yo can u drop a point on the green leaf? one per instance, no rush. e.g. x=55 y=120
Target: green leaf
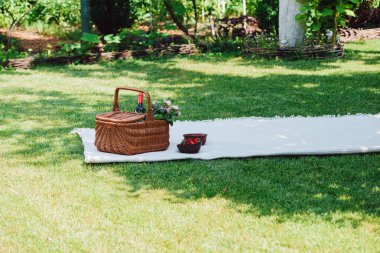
x=347 y=6
x=316 y=27
x=340 y=9
x=170 y=121
x=305 y=8
x=89 y=37
x=326 y=12
x=301 y=17
x=350 y=13
x=179 y=8
x=110 y=38
x=170 y=27
x=75 y=46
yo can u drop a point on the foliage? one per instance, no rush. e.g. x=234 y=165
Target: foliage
x=88 y=43
x=367 y=15
x=69 y=48
x=48 y=17
x=3 y=55
x=267 y=13
x=165 y=110
x=263 y=41
x=110 y=16
x=183 y=12
x=176 y=10
x=52 y=29
x=15 y=12
x=9 y=53
x=320 y=16
x=139 y=39
x=64 y=13
x=112 y=42
x=12 y=12
x=236 y=45
x=224 y=45
x=90 y=38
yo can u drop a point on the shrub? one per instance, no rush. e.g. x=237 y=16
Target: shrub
x=367 y=15
x=267 y=12
x=12 y=52
x=110 y=16
x=55 y=11
x=320 y=16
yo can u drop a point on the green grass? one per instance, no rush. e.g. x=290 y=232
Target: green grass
x=51 y=201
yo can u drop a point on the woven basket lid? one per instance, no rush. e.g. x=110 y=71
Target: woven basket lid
x=121 y=117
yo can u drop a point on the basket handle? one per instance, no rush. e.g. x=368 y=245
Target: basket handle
x=149 y=114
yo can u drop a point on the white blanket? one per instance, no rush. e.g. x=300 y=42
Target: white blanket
x=247 y=137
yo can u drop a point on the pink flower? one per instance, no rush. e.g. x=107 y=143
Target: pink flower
x=168 y=109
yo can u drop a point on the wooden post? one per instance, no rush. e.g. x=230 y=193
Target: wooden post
x=85 y=15
x=291 y=32
x=212 y=25
x=245 y=14
x=203 y=11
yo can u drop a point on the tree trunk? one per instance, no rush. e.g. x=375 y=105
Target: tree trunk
x=196 y=17
x=245 y=13
x=336 y=20
x=150 y=16
x=85 y=15
x=175 y=19
x=291 y=32
x=212 y=25
x=14 y=23
x=8 y=38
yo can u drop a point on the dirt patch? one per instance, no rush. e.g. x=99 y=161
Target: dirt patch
x=350 y=35
x=32 y=40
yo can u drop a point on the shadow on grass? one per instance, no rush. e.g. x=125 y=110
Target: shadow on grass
x=226 y=95
x=284 y=187
x=38 y=122
x=366 y=56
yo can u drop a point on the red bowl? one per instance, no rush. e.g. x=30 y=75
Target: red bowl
x=203 y=137
x=189 y=148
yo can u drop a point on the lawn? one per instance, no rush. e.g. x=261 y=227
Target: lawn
x=51 y=201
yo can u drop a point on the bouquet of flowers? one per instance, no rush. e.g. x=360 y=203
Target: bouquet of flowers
x=165 y=110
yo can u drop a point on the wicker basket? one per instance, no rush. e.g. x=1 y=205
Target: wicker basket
x=130 y=133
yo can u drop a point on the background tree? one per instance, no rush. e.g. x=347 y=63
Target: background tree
x=85 y=15
x=177 y=11
x=16 y=11
x=291 y=31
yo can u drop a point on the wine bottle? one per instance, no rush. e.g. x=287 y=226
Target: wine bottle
x=140 y=107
